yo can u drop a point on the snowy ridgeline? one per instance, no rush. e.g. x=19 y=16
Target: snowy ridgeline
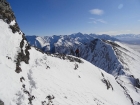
x=109 y=55
x=56 y=79
x=48 y=43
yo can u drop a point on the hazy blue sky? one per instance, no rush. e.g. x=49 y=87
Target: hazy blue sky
x=59 y=17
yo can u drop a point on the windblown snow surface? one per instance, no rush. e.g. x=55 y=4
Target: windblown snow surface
x=54 y=78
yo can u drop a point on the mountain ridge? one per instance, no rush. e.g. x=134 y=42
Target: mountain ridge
x=51 y=40
x=31 y=77
x=111 y=56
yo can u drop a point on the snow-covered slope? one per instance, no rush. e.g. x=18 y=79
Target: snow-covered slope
x=133 y=46
x=48 y=75
x=30 y=77
x=114 y=58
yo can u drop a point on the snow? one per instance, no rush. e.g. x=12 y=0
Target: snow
x=113 y=57
x=132 y=58
x=134 y=47
x=42 y=41
x=13 y=22
x=48 y=75
x=62 y=81
x=10 y=42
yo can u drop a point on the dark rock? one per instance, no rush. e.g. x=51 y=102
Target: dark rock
x=21 y=56
x=27 y=92
x=21 y=79
x=23 y=86
x=137 y=83
x=6 y=12
x=1 y=102
x=18 y=69
x=14 y=28
x=102 y=74
x=108 y=85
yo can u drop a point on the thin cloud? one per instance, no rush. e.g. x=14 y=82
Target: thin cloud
x=93 y=22
x=96 y=11
x=115 y=32
x=108 y=32
x=97 y=21
x=139 y=20
x=101 y=20
x=120 y=6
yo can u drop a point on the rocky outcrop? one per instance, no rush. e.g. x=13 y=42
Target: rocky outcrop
x=5 y=12
x=106 y=81
x=23 y=55
x=1 y=102
x=7 y=15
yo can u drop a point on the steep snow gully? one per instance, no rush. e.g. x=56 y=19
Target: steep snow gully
x=29 y=76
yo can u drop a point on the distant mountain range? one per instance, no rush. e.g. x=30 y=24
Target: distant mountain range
x=47 y=43
x=129 y=38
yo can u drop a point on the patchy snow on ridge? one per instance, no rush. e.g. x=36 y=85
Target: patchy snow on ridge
x=13 y=22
